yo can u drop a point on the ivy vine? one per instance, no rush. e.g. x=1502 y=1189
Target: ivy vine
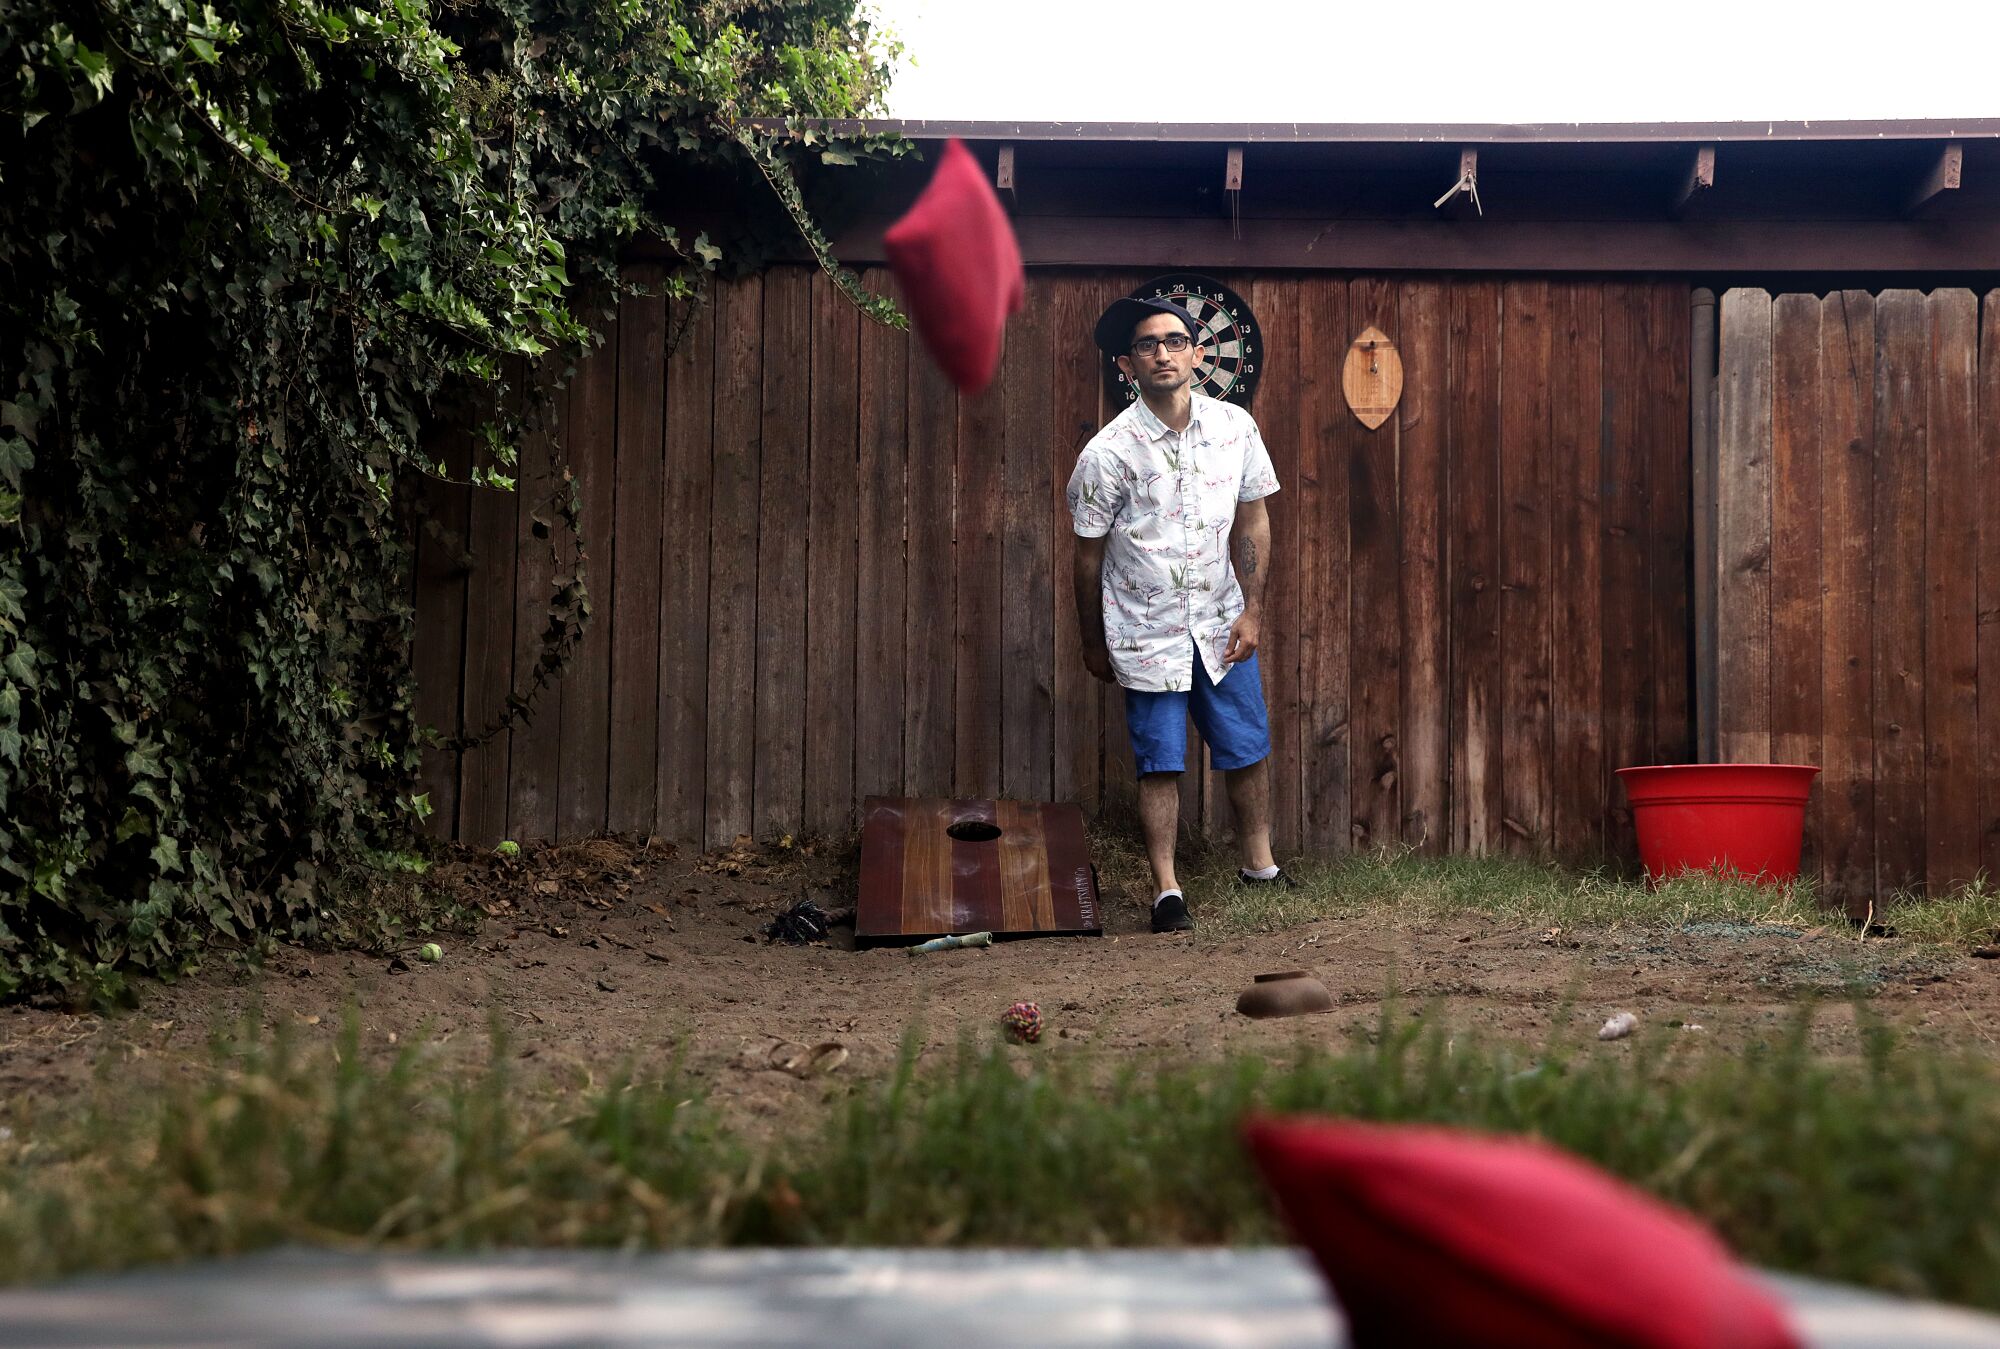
x=248 y=255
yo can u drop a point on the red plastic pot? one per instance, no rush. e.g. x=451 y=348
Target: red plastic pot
x=1748 y=818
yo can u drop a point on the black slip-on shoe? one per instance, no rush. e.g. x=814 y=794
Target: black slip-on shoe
x=1283 y=878
x=1170 y=914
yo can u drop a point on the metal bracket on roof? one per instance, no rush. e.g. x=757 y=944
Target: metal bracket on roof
x=1700 y=178
x=1003 y=175
x=1232 y=183
x=1466 y=189
x=1944 y=177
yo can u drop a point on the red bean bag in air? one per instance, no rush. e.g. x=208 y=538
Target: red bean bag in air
x=1435 y=1237
x=956 y=258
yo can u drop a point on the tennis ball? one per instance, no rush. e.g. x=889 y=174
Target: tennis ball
x=508 y=848
x=430 y=953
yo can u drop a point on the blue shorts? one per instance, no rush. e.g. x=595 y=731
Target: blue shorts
x=1229 y=715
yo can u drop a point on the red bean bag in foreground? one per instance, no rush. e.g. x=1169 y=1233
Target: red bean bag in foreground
x=955 y=255
x=1437 y=1237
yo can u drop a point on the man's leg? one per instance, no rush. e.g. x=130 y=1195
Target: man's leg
x=1160 y=814
x=1232 y=718
x=1250 y=806
x=1158 y=726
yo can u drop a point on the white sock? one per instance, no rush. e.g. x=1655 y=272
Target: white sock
x=1163 y=894
x=1264 y=874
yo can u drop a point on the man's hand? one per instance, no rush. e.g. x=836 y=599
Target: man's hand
x=1097 y=660
x=1242 y=639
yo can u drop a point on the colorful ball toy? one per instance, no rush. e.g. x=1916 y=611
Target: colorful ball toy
x=1023 y=1023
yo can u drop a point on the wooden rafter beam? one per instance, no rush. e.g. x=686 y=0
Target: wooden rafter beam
x=1003 y=173
x=1943 y=177
x=1700 y=178
x=1463 y=198
x=1232 y=187
x=1873 y=248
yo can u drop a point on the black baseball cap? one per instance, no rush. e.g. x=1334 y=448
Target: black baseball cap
x=1114 y=331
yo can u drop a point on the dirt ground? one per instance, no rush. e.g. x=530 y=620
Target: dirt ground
x=592 y=954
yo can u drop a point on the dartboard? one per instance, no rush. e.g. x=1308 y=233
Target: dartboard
x=1232 y=347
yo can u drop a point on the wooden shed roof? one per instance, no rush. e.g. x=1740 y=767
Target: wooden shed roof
x=1903 y=201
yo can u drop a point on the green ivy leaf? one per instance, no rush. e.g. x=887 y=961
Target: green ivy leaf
x=15 y=459
x=166 y=854
x=143 y=761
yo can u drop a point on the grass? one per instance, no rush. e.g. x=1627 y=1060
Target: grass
x=1873 y=1167
x=1408 y=887
x=1969 y=916
x=1509 y=892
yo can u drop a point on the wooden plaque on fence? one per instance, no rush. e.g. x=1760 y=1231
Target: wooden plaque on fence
x=1372 y=377
x=931 y=867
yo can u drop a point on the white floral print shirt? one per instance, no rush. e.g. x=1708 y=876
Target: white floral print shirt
x=1167 y=500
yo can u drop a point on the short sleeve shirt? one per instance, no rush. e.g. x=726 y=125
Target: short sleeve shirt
x=1164 y=501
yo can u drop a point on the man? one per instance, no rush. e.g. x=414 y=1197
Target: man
x=1162 y=500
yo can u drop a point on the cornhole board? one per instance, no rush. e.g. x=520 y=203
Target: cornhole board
x=930 y=867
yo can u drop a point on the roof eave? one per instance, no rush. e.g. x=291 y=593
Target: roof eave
x=1418 y=133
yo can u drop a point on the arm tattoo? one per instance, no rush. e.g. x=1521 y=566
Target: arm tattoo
x=1249 y=557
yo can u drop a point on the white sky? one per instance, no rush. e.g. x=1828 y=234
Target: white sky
x=1446 y=60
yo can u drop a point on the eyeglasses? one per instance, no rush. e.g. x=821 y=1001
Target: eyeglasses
x=1146 y=346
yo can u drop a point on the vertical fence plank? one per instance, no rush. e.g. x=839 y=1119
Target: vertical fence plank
x=880 y=707
x=1027 y=592
x=1326 y=431
x=489 y=645
x=1075 y=385
x=1671 y=519
x=783 y=527
x=1847 y=510
x=684 y=559
x=1626 y=612
x=1743 y=531
x=589 y=445
x=1473 y=476
x=1422 y=425
x=1989 y=582
x=932 y=604
x=1576 y=415
x=1525 y=545
x=1797 y=633
x=544 y=551
x=583 y=760
x=1374 y=609
x=633 y=797
x=1902 y=351
x=1120 y=775
x=737 y=440
x=832 y=546
x=438 y=657
x=1276 y=304
x=1951 y=635
x=982 y=442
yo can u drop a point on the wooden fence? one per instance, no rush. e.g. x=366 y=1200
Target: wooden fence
x=818 y=573
x=1858 y=578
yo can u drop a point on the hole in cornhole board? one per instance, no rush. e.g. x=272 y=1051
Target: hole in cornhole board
x=932 y=866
